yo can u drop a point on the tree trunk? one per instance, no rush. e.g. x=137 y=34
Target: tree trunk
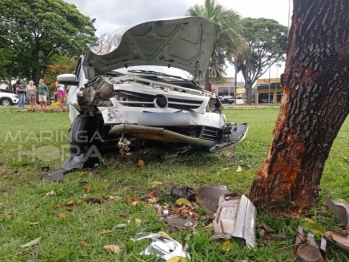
x=313 y=108
x=248 y=90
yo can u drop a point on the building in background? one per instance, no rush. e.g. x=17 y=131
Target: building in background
x=268 y=88
x=227 y=88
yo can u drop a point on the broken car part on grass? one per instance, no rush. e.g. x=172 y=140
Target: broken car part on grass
x=73 y=162
x=162 y=246
x=233 y=215
x=338 y=236
x=134 y=101
x=306 y=249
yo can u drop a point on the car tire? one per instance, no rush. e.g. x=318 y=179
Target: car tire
x=83 y=134
x=5 y=102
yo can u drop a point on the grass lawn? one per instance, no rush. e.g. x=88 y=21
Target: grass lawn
x=78 y=231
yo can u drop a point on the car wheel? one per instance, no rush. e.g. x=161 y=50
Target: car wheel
x=5 y=102
x=83 y=134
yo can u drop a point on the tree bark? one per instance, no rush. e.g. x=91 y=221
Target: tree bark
x=313 y=108
x=248 y=90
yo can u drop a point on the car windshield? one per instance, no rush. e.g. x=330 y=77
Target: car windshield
x=162 y=74
x=146 y=70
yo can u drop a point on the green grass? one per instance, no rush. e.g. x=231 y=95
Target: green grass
x=22 y=193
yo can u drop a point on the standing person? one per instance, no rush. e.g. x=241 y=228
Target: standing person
x=31 y=92
x=21 y=93
x=43 y=91
x=60 y=94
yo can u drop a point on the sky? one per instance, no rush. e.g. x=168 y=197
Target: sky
x=113 y=14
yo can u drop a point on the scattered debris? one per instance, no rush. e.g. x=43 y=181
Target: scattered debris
x=162 y=246
x=73 y=162
x=338 y=236
x=306 y=249
x=183 y=192
x=180 y=221
x=235 y=217
x=340 y=209
x=208 y=197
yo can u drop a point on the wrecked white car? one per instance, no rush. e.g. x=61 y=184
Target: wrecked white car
x=112 y=97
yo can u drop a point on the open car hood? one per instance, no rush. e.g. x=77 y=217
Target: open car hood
x=185 y=43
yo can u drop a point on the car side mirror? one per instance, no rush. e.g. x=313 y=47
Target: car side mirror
x=68 y=79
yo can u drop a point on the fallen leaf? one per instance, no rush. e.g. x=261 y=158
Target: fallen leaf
x=34 y=223
x=153 y=200
x=162 y=233
x=268 y=229
x=88 y=189
x=104 y=232
x=315 y=228
x=195 y=173
x=151 y=194
x=113 y=248
x=49 y=193
x=62 y=215
x=93 y=200
x=85 y=243
x=154 y=184
x=177 y=259
x=83 y=173
x=31 y=243
x=138 y=221
x=8 y=215
x=69 y=204
x=120 y=226
x=159 y=211
x=111 y=198
x=140 y=163
x=134 y=203
x=227 y=245
x=308 y=220
x=183 y=201
x=239 y=169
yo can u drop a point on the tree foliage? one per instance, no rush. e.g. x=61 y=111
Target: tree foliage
x=33 y=31
x=266 y=40
x=229 y=41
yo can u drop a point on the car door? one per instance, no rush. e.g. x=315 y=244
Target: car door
x=74 y=89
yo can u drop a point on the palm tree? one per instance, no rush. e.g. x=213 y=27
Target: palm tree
x=229 y=42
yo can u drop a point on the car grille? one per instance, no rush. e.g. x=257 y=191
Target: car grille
x=135 y=99
x=211 y=133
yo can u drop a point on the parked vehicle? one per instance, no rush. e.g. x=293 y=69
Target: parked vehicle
x=226 y=100
x=144 y=103
x=7 y=98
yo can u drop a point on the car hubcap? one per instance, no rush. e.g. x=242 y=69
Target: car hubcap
x=5 y=102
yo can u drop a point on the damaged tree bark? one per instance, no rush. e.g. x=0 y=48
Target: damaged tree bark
x=313 y=108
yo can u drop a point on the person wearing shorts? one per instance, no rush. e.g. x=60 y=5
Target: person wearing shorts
x=60 y=94
x=31 y=92
x=43 y=91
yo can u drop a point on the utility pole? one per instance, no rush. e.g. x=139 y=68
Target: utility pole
x=276 y=82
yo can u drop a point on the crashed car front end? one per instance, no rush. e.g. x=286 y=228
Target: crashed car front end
x=109 y=88
x=148 y=109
